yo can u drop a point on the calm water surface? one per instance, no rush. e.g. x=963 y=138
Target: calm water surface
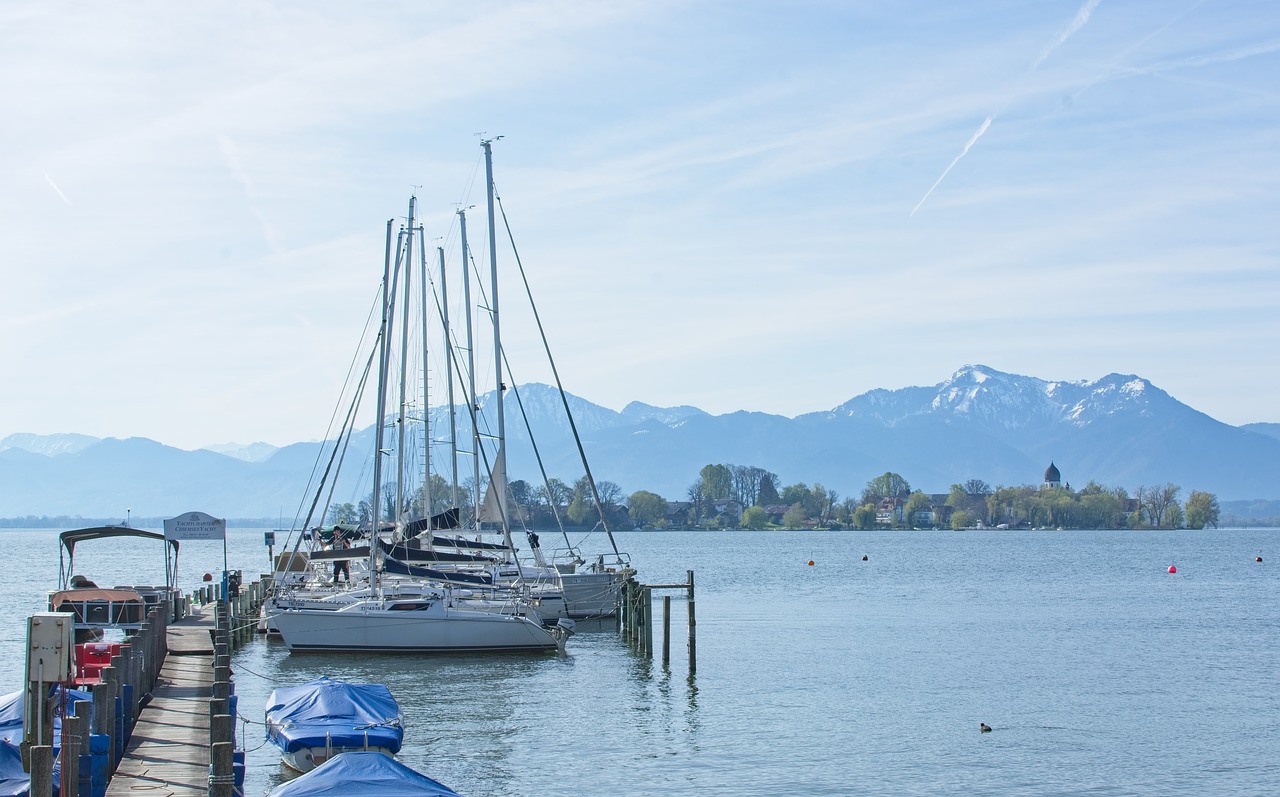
x=1100 y=673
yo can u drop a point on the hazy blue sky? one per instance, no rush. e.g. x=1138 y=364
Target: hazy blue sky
x=734 y=205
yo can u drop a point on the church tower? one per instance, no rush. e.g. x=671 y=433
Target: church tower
x=1052 y=478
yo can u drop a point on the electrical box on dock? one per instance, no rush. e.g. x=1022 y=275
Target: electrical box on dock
x=50 y=647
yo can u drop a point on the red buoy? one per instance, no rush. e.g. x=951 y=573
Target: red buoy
x=1172 y=569
x=810 y=563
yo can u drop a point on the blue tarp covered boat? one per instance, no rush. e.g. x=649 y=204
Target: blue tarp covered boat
x=324 y=717
x=11 y=706
x=363 y=774
x=14 y=782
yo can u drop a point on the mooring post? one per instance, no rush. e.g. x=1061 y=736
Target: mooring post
x=693 y=627
x=72 y=731
x=111 y=687
x=666 y=630
x=648 y=621
x=41 y=769
x=222 y=780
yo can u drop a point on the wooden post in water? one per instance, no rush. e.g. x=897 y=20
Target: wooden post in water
x=647 y=600
x=693 y=626
x=222 y=781
x=666 y=630
x=41 y=769
x=110 y=688
x=72 y=732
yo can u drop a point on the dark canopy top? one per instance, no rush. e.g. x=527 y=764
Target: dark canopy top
x=70 y=539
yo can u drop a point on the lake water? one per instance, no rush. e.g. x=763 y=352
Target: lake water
x=1101 y=673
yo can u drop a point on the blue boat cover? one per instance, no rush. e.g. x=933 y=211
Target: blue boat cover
x=11 y=714
x=348 y=714
x=363 y=774
x=13 y=781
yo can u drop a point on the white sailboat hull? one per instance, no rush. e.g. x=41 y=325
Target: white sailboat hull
x=380 y=626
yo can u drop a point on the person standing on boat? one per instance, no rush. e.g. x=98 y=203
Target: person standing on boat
x=341 y=567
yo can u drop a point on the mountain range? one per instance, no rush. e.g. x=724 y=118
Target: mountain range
x=980 y=423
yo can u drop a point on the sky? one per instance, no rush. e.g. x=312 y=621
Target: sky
x=732 y=205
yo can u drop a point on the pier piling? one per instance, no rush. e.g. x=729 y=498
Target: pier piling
x=635 y=623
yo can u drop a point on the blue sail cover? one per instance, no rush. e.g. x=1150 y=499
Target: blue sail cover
x=363 y=774
x=348 y=714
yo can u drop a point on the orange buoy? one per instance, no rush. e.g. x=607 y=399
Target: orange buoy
x=810 y=563
x=1172 y=569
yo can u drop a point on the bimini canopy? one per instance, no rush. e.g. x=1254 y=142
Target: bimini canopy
x=363 y=774
x=337 y=712
x=70 y=539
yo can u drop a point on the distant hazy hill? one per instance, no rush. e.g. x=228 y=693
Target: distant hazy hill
x=980 y=423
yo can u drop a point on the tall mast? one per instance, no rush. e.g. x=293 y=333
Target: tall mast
x=404 y=360
x=426 y=394
x=382 y=398
x=500 y=459
x=472 y=406
x=448 y=343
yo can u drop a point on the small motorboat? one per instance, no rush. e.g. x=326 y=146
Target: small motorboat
x=363 y=774
x=313 y=722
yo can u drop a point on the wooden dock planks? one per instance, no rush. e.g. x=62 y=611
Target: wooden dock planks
x=193 y=635
x=169 y=751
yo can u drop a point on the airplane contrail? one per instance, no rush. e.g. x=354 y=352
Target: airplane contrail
x=1079 y=21
x=55 y=187
x=972 y=140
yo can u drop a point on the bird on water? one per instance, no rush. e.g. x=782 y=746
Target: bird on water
x=984 y=727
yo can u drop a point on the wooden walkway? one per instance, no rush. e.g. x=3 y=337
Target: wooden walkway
x=168 y=753
x=193 y=635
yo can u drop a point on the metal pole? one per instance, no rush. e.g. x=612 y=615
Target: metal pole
x=472 y=406
x=448 y=345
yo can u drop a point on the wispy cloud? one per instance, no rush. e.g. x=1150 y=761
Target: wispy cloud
x=231 y=157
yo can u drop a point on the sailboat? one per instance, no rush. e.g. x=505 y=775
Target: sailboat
x=380 y=622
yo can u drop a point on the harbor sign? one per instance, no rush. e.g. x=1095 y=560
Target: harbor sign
x=195 y=526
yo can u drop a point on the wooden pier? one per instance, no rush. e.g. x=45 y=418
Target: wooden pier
x=161 y=711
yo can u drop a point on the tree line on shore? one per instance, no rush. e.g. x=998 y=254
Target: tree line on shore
x=748 y=497
x=888 y=501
